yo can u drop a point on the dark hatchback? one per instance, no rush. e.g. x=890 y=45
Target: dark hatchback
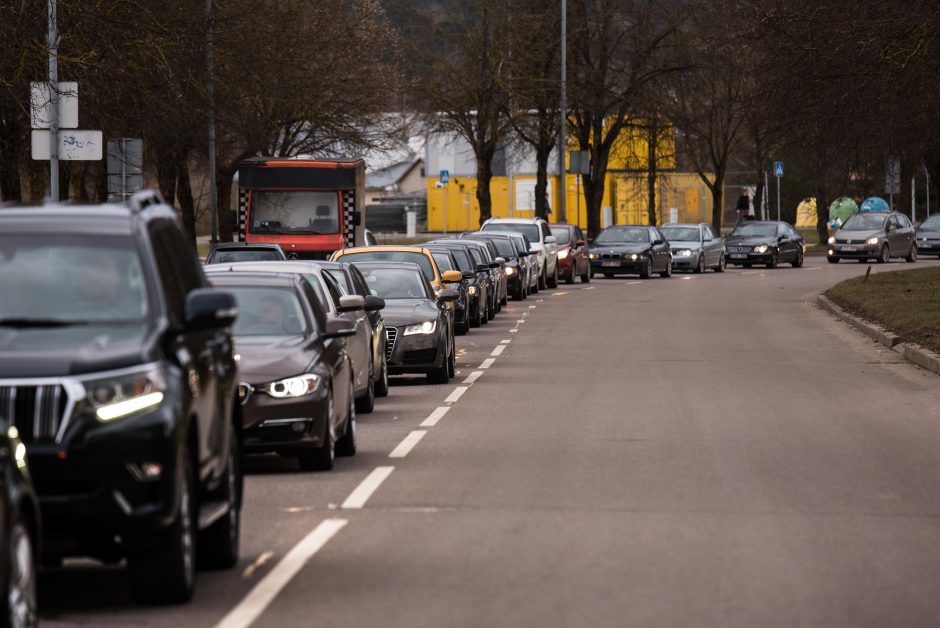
x=117 y=368
x=767 y=242
x=928 y=236
x=631 y=249
x=295 y=379
x=231 y=252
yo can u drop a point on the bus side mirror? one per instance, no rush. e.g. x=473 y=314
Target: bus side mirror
x=357 y=218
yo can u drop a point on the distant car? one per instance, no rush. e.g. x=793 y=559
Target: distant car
x=478 y=286
x=228 y=252
x=928 y=236
x=496 y=277
x=419 y=340
x=446 y=259
x=695 y=247
x=295 y=378
x=873 y=235
x=370 y=239
x=523 y=245
x=543 y=243
x=20 y=531
x=573 y=259
x=516 y=267
x=499 y=271
x=767 y=242
x=631 y=249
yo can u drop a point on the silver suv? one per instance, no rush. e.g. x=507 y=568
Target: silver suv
x=543 y=244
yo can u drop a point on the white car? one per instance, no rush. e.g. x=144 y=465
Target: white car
x=543 y=243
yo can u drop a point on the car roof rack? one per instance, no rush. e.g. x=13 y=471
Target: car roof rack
x=140 y=201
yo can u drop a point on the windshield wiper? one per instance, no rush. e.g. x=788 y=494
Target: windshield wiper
x=38 y=322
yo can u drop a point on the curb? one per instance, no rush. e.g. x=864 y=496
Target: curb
x=914 y=353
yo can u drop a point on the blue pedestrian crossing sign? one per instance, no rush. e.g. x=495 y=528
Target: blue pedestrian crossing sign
x=778 y=168
x=445 y=176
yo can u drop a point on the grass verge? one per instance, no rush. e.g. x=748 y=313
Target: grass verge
x=904 y=302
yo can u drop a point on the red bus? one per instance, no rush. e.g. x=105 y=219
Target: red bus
x=311 y=207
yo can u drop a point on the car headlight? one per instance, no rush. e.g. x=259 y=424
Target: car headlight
x=832 y=239
x=635 y=256
x=510 y=271
x=684 y=253
x=593 y=255
x=125 y=394
x=761 y=248
x=563 y=254
x=872 y=240
x=427 y=327
x=298 y=386
x=472 y=290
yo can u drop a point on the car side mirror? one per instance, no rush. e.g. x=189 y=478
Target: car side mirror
x=551 y=240
x=580 y=243
x=374 y=303
x=781 y=238
x=501 y=260
x=481 y=268
x=524 y=253
x=452 y=276
x=658 y=242
x=447 y=295
x=356 y=218
x=339 y=328
x=351 y=303
x=208 y=308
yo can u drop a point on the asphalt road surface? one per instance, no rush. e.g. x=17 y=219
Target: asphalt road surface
x=699 y=451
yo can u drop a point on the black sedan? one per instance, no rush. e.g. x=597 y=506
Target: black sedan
x=631 y=249
x=475 y=279
x=419 y=340
x=767 y=242
x=19 y=528
x=516 y=266
x=928 y=236
x=296 y=381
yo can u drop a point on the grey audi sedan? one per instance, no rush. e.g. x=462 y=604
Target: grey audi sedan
x=695 y=247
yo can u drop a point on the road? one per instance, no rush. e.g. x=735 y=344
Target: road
x=700 y=451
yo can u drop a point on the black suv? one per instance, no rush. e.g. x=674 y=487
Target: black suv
x=118 y=370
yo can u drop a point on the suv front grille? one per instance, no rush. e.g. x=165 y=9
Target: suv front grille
x=610 y=255
x=391 y=334
x=37 y=411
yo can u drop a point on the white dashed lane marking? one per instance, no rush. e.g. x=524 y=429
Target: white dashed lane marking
x=498 y=350
x=407 y=444
x=361 y=494
x=455 y=396
x=435 y=416
x=472 y=377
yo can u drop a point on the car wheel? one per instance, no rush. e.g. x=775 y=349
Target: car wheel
x=218 y=545
x=772 y=262
x=475 y=315
x=381 y=385
x=543 y=278
x=440 y=375
x=166 y=573
x=461 y=329
x=722 y=263
x=912 y=254
x=700 y=267
x=885 y=255
x=366 y=403
x=346 y=445
x=668 y=272
x=570 y=278
x=452 y=362
x=586 y=277
x=22 y=591
x=836 y=260
x=647 y=271
x=321 y=458
x=553 y=280
x=798 y=262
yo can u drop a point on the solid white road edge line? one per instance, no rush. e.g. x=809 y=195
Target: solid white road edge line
x=261 y=596
x=487 y=363
x=455 y=396
x=472 y=377
x=435 y=416
x=407 y=444
x=361 y=494
x=498 y=350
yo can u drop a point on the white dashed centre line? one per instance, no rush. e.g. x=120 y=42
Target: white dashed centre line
x=472 y=377
x=406 y=445
x=512 y=331
x=251 y=607
x=520 y=321
x=505 y=341
x=455 y=396
x=498 y=350
x=361 y=494
x=588 y=288
x=631 y=283
x=435 y=416
x=487 y=363
x=686 y=278
x=558 y=294
x=532 y=307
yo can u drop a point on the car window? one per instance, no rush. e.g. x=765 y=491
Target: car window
x=463 y=259
x=267 y=311
x=315 y=301
x=336 y=291
x=893 y=221
x=904 y=221
x=763 y=230
x=340 y=278
x=864 y=222
x=545 y=230
x=932 y=223
x=476 y=255
x=359 y=283
x=173 y=291
x=289 y=212
x=396 y=283
x=443 y=261
x=578 y=234
x=317 y=288
x=681 y=234
x=562 y=234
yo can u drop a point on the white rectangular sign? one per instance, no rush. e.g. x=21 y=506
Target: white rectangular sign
x=73 y=145
x=525 y=194
x=39 y=98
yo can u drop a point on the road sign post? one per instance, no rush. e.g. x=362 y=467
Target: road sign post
x=778 y=172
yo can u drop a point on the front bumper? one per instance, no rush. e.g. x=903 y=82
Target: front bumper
x=853 y=251
x=285 y=425
x=418 y=353
x=685 y=262
x=624 y=266
x=749 y=257
x=931 y=247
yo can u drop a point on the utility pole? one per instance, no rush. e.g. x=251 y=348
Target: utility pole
x=563 y=116
x=53 y=103
x=210 y=90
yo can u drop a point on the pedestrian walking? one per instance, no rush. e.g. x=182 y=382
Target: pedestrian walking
x=743 y=207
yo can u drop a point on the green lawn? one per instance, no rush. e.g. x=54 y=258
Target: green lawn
x=905 y=302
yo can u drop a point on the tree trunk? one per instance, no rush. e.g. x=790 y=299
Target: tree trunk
x=11 y=147
x=167 y=158
x=226 y=218
x=594 y=185
x=822 y=202
x=542 y=155
x=484 y=177
x=652 y=143
x=718 y=194
x=184 y=194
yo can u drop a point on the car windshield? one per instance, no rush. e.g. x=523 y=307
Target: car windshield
x=932 y=223
x=529 y=230
x=245 y=255
x=267 y=312
x=864 y=222
x=681 y=234
x=562 y=235
x=62 y=279
x=309 y=213
x=420 y=259
x=618 y=235
x=443 y=262
x=763 y=230
x=395 y=283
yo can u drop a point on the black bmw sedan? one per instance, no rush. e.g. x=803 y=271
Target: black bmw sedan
x=767 y=242
x=631 y=249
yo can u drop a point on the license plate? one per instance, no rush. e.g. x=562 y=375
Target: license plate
x=739 y=256
x=848 y=249
x=611 y=264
